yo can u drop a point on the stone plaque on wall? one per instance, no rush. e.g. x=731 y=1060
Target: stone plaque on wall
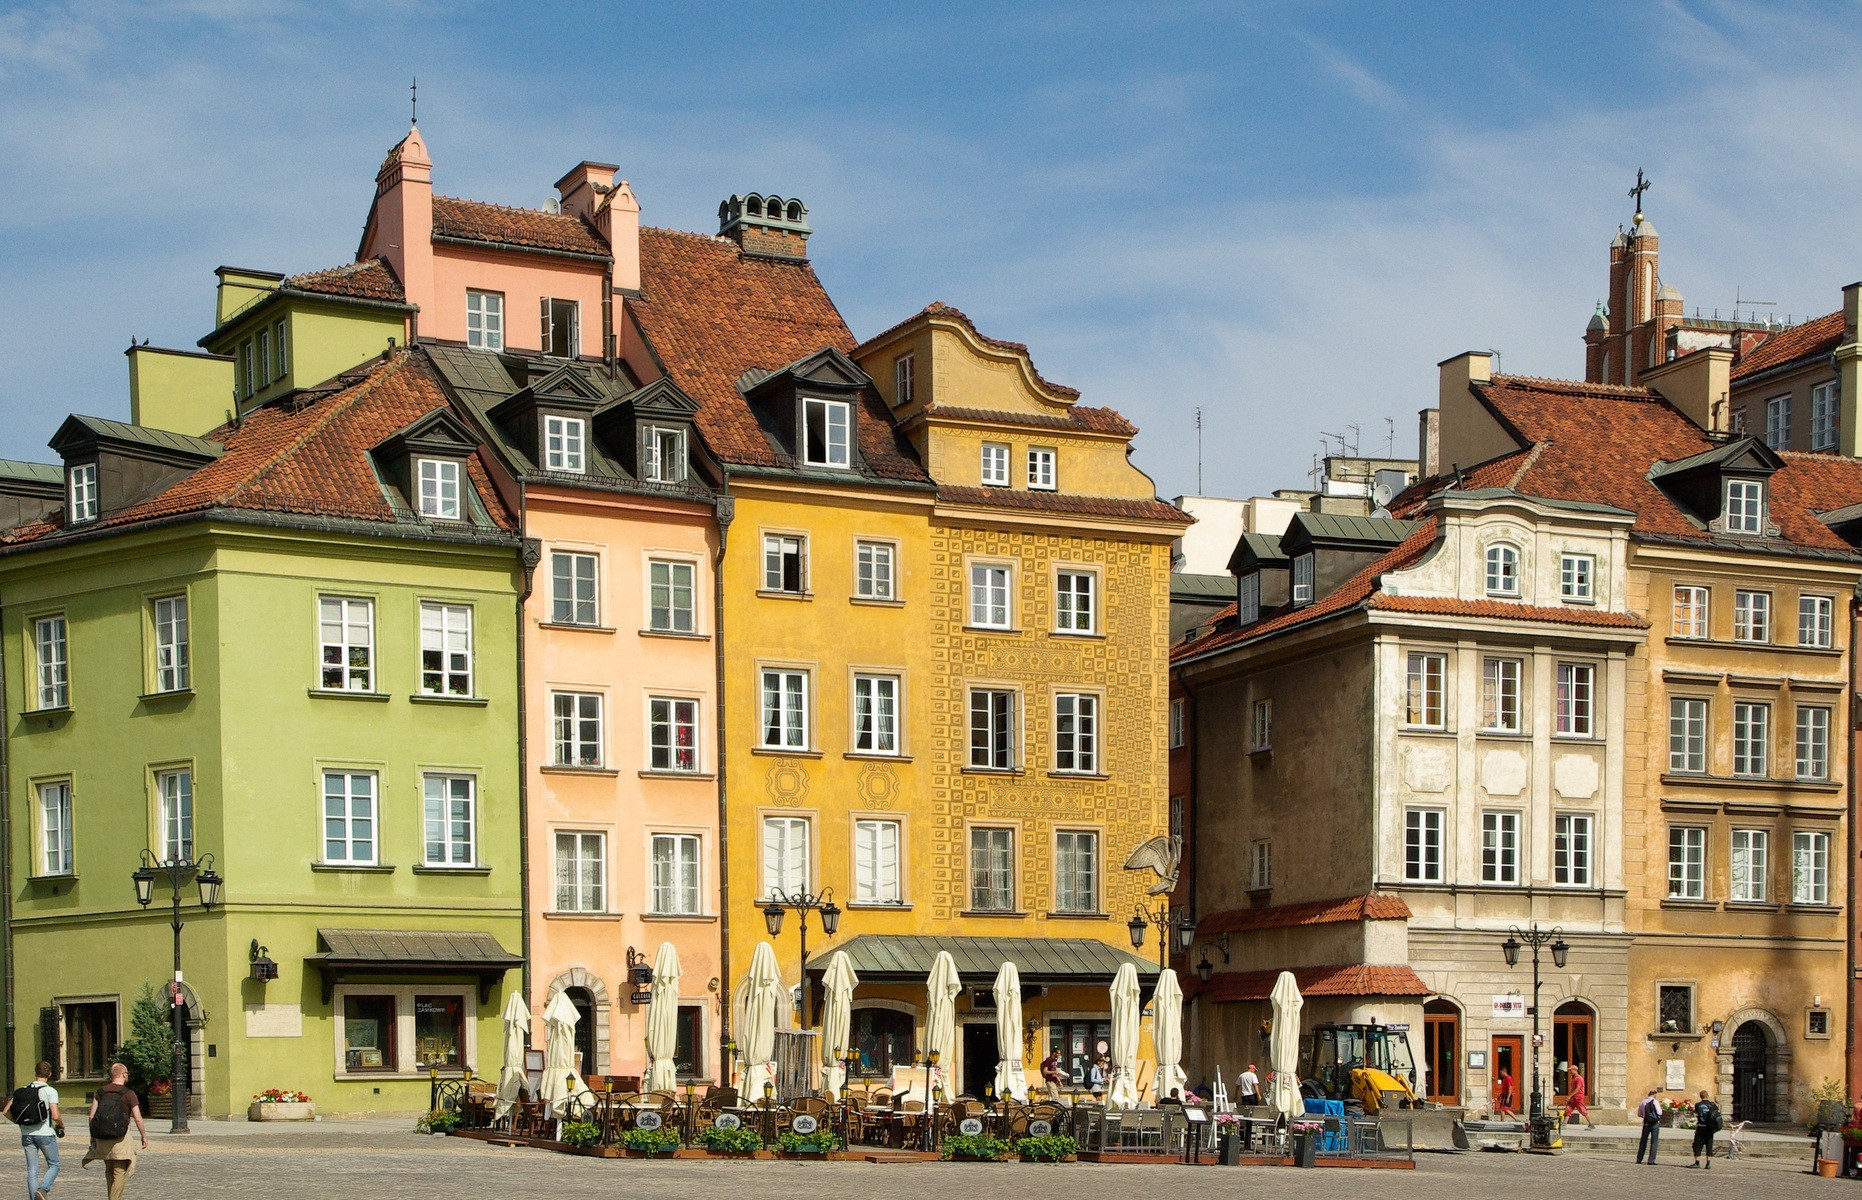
x=274 y=1021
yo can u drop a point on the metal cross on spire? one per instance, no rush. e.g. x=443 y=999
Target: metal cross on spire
x=1643 y=184
x=413 y=93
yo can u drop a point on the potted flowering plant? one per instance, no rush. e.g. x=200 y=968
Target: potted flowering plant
x=161 y=1098
x=1305 y=1142
x=281 y=1104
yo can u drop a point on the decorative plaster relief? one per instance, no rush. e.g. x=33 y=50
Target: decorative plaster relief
x=787 y=783
x=1427 y=768
x=1575 y=776
x=1503 y=772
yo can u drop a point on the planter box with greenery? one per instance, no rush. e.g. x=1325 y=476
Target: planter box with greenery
x=649 y=1143
x=973 y=1147
x=438 y=1123
x=731 y=1143
x=276 y=1104
x=1053 y=1147
x=818 y=1144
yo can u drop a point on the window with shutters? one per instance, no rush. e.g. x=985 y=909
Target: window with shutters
x=992 y=870
x=581 y=872
x=1076 y=871
x=671 y=593
x=90 y=1040
x=675 y=875
x=785 y=856
x=562 y=321
x=876 y=862
x=572 y=588
x=785 y=710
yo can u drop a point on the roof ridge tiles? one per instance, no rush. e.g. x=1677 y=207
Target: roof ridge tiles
x=1624 y=391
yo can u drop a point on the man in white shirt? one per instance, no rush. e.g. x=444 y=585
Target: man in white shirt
x=1248 y=1088
x=39 y=1136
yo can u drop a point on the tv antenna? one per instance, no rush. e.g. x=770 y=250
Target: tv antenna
x=1740 y=301
x=1199 y=450
x=1389 y=437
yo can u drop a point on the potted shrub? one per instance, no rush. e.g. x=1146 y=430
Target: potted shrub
x=149 y=1051
x=731 y=1143
x=161 y=1099
x=439 y=1123
x=1052 y=1147
x=973 y=1147
x=281 y=1104
x=649 y=1143
x=583 y=1135
x=1305 y=1142
x=800 y=1145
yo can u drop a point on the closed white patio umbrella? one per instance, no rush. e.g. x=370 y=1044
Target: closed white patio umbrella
x=760 y=1002
x=561 y=1081
x=941 y=1021
x=663 y=1022
x=1167 y=1036
x=838 y=981
x=516 y=1041
x=1011 y=1078
x=1283 y=1048
x=1122 y=1090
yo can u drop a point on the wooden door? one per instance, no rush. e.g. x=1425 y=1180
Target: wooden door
x=1509 y=1056
x=1571 y=1047
x=1441 y=1042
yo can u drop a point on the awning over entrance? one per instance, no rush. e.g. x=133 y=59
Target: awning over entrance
x=1348 y=979
x=366 y=953
x=906 y=958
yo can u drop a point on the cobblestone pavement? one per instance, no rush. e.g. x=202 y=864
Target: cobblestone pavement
x=382 y=1162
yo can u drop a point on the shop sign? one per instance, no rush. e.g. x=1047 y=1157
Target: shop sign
x=804 y=1124
x=1509 y=1007
x=649 y=1120
x=970 y=1126
x=728 y=1121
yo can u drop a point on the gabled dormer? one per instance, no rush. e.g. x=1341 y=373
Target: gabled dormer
x=1260 y=569
x=110 y=465
x=1726 y=489
x=811 y=409
x=650 y=433
x=550 y=419
x=426 y=462
x=1323 y=550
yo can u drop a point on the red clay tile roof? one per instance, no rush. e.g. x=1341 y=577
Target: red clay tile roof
x=370 y=279
x=477 y=221
x=1787 y=345
x=939 y=308
x=1349 y=979
x=312 y=461
x=1502 y=472
x=1371 y=907
x=1454 y=607
x=1095 y=506
x=712 y=312
x=1089 y=420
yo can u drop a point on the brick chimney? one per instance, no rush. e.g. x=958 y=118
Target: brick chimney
x=400 y=227
x=769 y=226
x=590 y=192
x=584 y=186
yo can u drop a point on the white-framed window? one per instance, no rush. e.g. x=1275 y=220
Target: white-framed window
x=996 y=464
x=1571 y=849
x=992 y=729
x=1422 y=703
x=1248 y=598
x=1041 y=468
x=1302 y=578
x=55 y=844
x=1687 y=734
x=1751 y=853
x=450 y=808
x=1502 y=570
x=1745 y=506
x=902 y=379
x=1815 y=621
x=349 y=819
x=81 y=491
x=576 y=728
x=346 y=628
x=565 y=444
x=264 y=344
x=785 y=856
x=1810 y=867
x=1422 y=845
x=572 y=588
x=445 y=649
x=876 y=862
x=1176 y=724
x=671 y=589
x=827 y=432
x=1690 y=612
x=1500 y=847
x=876 y=714
x=172 y=665
x=675 y=875
x=1813 y=742
x=439 y=488
x=1687 y=862
x=1778 y=422
x=672 y=733
x=1076 y=733
x=1576 y=700
x=1262 y=728
x=51 y=653
x=785 y=560
x=663 y=457
x=1751 y=738
x=485 y=320
x=785 y=710
x=1076 y=601
x=873 y=571
x=1823 y=417
x=246 y=355
x=992 y=870
x=280 y=354
x=1751 y=616
x=1076 y=871
x=581 y=872
x=174 y=797
x=1577 y=578
x=1500 y=694
x=989 y=596
x=562 y=320
x=1261 y=866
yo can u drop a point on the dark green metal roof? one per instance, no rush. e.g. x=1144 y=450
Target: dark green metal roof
x=1338 y=527
x=1185 y=584
x=31 y=472
x=1266 y=546
x=164 y=439
x=901 y=958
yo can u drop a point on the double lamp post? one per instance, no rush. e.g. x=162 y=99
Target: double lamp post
x=177 y=871
x=1536 y=938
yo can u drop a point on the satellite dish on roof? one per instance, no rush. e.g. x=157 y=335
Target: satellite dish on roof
x=552 y=205
x=1381 y=513
x=1381 y=492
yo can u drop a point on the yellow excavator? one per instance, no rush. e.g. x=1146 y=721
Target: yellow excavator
x=1370 y=1064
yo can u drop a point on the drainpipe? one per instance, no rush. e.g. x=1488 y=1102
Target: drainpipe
x=607 y=316
x=1850 y=1073
x=726 y=508
x=530 y=555
x=6 y=876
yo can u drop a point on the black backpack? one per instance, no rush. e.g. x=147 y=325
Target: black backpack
x=1711 y=1118
x=111 y=1120
x=29 y=1107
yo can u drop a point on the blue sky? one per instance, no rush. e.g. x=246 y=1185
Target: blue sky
x=1285 y=214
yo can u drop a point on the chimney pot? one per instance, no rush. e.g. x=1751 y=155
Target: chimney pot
x=771 y=226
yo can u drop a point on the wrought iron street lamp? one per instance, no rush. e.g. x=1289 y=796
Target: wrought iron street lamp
x=1181 y=927
x=1536 y=938
x=177 y=871
x=803 y=903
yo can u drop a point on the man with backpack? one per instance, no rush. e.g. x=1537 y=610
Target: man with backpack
x=34 y=1108
x=113 y=1107
x=1706 y=1124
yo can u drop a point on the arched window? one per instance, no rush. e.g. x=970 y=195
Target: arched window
x=754 y=205
x=1441 y=1051
x=1502 y=570
x=795 y=210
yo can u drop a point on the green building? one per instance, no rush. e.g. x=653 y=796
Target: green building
x=289 y=644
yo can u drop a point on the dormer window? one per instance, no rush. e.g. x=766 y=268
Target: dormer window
x=902 y=379
x=1248 y=598
x=82 y=488
x=1041 y=468
x=662 y=455
x=1745 y=506
x=1502 y=570
x=1302 y=579
x=561 y=335
x=439 y=489
x=996 y=464
x=565 y=442
x=827 y=428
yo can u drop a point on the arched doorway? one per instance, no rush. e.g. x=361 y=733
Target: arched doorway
x=1574 y=1034
x=1751 y=1072
x=1441 y=1051
x=584 y=1027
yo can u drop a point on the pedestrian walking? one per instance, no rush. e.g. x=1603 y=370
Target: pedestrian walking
x=1650 y=1110
x=1503 y=1095
x=34 y=1108
x=1097 y=1077
x=1706 y=1124
x=1248 y=1087
x=1050 y=1073
x=1575 y=1097
x=113 y=1108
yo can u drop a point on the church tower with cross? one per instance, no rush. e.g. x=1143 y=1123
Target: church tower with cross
x=1629 y=331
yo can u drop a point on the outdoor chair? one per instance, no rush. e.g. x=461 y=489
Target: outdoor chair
x=723 y=1097
x=813 y=1106
x=880 y=1098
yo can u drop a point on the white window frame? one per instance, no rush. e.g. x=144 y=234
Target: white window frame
x=1577 y=578
x=51 y=650
x=992 y=592
x=1076 y=733
x=1423 y=841
x=1751 y=616
x=578 y=728
x=1502 y=694
x=565 y=444
x=877 y=703
x=794 y=848
x=1077 y=872
x=875 y=569
x=664 y=583
x=1573 y=848
x=279 y=350
x=449 y=789
x=446 y=632
x=569 y=609
x=1500 y=847
x=345 y=643
x=1303 y=575
x=1687 y=734
x=1261 y=728
x=993 y=879
x=1778 y=422
x=354 y=807
x=664 y=458
x=81 y=492
x=1502 y=570
x=173 y=664
x=1248 y=598
x=1687 y=862
x=995 y=464
x=573 y=342
x=1261 y=865
x=1810 y=866
x=263 y=343
x=438 y=484
x=1043 y=468
x=666 y=716
x=56 y=844
x=1575 y=694
x=1816 y=617
x=174 y=796
x=1751 y=739
x=902 y=381
x=1076 y=601
x=1825 y=417
x=580 y=889
x=790 y=710
x=675 y=885
x=1691 y=612
x=1425 y=691
x=1744 y=506
x=835 y=452
x=998 y=749
x=1749 y=866
x=1813 y=741
x=484 y=320
x=1177 y=727
x=875 y=864
x=777 y=549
